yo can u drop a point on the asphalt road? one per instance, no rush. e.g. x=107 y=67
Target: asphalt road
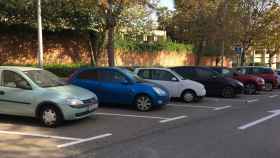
x=243 y=127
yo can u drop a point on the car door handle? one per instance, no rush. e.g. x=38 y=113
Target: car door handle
x=2 y=92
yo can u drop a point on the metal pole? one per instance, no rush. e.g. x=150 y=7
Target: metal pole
x=40 y=37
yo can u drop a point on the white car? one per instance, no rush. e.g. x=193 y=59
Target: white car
x=177 y=86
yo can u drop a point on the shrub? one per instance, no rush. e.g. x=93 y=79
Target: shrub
x=140 y=46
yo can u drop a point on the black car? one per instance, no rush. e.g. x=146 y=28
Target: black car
x=215 y=83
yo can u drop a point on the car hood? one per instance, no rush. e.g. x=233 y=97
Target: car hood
x=71 y=91
x=151 y=84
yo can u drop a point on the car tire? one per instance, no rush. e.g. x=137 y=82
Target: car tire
x=228 y=92
x=143 y=103
x=50 y=116
x=250 y=88
x=268 y=86
x=188 y=96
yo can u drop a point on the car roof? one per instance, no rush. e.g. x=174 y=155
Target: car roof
x=18 y=68
x=154 y=68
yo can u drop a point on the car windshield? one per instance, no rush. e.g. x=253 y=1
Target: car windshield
x=227 y=72
x=133 y=76
x=44 y=78
x=178 y=75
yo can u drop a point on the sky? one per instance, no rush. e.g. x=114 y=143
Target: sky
x=167 y=3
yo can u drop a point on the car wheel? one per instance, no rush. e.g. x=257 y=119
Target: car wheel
x=188 y=96
x=228 y=92
x=143 y=103
x=268 y=86
x=250 y=88
x=50 y=116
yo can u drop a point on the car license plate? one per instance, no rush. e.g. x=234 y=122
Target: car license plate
x=92 y=107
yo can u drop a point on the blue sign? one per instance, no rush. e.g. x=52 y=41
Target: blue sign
x=238 y=50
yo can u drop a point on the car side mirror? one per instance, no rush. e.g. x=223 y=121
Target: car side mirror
x=174 y=79
x=214 y=76
x=23 y=85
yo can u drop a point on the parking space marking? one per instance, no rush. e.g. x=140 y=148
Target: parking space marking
x=273 y=96
x=39 y=135
x=252 y=100
x=136 y=116
x=173 y=119
x=202 y=107
x=222 y=108
x=162 y=119
x=83 y=140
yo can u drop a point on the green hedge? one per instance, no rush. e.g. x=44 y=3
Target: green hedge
x=61 y=70
x=64 y=70
x=140 y=46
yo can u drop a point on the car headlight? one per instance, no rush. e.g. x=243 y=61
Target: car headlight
x=159 y=91
x=261 y=80
x=73 y=102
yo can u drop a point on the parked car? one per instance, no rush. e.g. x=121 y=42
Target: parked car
x=38 y=93
x=214 y=82
x=265 y=72
x=278 y=76
x=177 y=86
x=120 y=86
x=252 y=83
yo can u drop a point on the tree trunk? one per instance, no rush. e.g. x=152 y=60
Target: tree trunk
x=110 y=46
x=92 y=58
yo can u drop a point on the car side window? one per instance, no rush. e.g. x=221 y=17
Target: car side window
x=162 y=75
x=13 y=80
x=111 y=76
x=88 y=75
x=241 y=71
x=187 y=73
x=144 y=74
x=203 y=73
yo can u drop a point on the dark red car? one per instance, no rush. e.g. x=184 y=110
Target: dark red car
x=252 y=83
x=265 y=72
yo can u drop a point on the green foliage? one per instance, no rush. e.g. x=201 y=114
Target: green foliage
x=139 y=46
x=64 y=70
x=61 y=70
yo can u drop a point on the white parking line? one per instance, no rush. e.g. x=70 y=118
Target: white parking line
x=173 y=119
x=39 y=135
x=252 y=100
x=273 y=96
x=136 y=116
x=203 y=107
x=83 y=140
x=162 y=119
x=222 y=108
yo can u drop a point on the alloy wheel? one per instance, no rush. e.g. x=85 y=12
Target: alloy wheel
x=143 y=103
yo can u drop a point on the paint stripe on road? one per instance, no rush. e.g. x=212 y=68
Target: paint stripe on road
x=172 y=119
x=273 y=96
x=201 y=107
x=222 y=108
x=252 y=100
x=135 y=116
x=39 y=135
x=84 y=140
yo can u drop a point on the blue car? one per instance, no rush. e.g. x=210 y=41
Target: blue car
x=120 y=86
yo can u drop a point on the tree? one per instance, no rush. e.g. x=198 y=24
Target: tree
x=249 y=21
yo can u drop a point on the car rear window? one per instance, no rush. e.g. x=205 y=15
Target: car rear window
x=263 y=71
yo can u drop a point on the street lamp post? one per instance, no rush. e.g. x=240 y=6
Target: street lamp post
x=40 y=59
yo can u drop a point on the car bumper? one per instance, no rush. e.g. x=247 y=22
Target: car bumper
x=80 y=113
x=260 y=87
x=161 y=100
x=239 y=90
